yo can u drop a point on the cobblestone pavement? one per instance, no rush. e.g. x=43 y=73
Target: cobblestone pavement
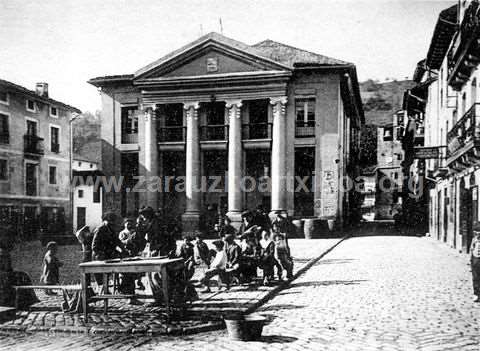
x=369 y=293
x=205 y=313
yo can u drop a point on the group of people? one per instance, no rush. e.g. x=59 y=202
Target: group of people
x=263 y=244
x=259 y=243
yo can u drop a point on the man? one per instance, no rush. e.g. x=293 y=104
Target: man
x=227 y=228
x=160 y=244
x=233 y=253
x=105 y=242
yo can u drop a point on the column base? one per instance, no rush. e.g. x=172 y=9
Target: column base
x=235 y=218
x=190 y=223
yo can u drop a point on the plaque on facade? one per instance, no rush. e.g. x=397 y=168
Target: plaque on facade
x=212 y=64
x=426 y=152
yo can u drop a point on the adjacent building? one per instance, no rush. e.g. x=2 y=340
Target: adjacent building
x=34 y=162
x=230 y=115
x=87 y=198
x=389 y=173
x=449 y=80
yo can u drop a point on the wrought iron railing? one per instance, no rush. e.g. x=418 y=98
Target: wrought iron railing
x=4 y=138
x=465 y=130
x=129 y=138
x=304 y=130
x=171 y=133
x=257 y=131
x=33 y=144
x=214 y=132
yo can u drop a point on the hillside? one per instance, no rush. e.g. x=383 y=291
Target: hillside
x=382 y=100
x=86 y=137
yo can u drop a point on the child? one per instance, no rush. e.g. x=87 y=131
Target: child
x=267 y=259
x=51 y=266
x=187 y=253
x=217 y=267
x=475 y=262
x=282 y=256
x=249 y=260
x=203 y=252
x=128 y=237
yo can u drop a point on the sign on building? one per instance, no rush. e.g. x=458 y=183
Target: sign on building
x=427 y=152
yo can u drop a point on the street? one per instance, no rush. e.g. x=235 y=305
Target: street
x=369 y=293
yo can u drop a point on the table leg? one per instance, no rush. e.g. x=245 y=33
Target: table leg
x=105 y=291
x=166 y=298
x=84 y=295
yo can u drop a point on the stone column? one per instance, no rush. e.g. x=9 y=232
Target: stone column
x=235 y=194
x=279 y=150
x=151 y=158
x=191 y=217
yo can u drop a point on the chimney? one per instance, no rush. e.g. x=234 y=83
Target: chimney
x=42 y=89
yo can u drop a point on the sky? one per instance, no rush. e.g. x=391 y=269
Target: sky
x=67 y=42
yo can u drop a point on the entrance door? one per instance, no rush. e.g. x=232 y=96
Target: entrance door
x=446 y=200
x=30 y=223
x=81 y=217
x=31 y=179
x=465 y=216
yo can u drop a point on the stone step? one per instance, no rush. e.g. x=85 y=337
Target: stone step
x=6 y=313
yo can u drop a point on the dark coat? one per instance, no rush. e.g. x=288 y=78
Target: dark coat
x=233 y=252
x=104 y=243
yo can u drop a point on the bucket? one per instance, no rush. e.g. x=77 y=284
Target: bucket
x=245 y=328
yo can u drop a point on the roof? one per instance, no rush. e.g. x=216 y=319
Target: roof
x=277 y=54
x=34 y=95
x=442 y=36
x=268 y=50
x=291 y=56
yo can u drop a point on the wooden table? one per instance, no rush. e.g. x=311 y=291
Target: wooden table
x=140 y=265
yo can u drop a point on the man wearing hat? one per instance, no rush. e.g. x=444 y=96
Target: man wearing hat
x=475 y=261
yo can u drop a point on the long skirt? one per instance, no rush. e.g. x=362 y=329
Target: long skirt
x=475 y=263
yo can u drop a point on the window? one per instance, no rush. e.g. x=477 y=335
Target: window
x=52 y=175
x=388 y=134
x=54 y=139
x=53 y=111
x=3 y=169
x=399 y=157
x=3 y=97
x=96 y=195
x=80 y=194
x=305 y=112
x=31 y=106
x=31 y=127
x=31 y=179
x=129 y=120
x=4 y=129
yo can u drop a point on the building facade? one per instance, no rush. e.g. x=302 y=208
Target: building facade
x=216 y=116
x=34 y=162
x=451 y=77
x=87 y=199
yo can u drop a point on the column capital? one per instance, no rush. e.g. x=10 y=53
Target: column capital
x=188 y=104
x=278 y=99
x=230 y=103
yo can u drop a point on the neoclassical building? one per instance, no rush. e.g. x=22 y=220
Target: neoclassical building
x=221 y=126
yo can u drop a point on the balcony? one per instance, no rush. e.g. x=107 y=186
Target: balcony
x=256 y=131
x=4 y=138
x=55 y=148
x=463 y=56
x=217 y=132
x=33 y=145
x=437 y=167
x=129 y=138
x=171 y=134
x=463 y=140
x=304 y=130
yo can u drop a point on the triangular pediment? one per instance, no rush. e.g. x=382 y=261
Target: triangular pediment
x=211 y=54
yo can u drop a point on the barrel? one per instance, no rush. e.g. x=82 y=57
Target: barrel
x=298 y=227
x=309 y=227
